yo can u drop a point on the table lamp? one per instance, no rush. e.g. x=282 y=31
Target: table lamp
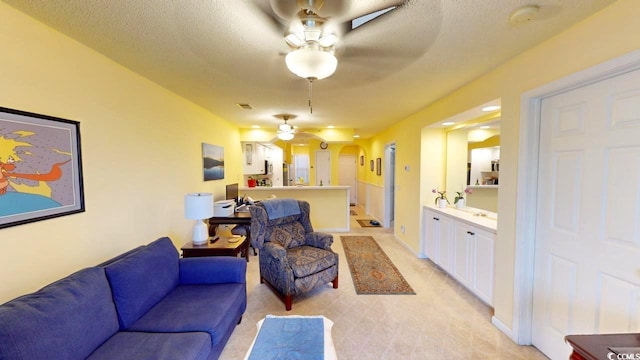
x=199 y=207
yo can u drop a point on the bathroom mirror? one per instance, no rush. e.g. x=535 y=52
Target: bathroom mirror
x=473 y=161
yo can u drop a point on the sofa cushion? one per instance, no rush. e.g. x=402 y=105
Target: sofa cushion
x=143 y=278
x=67 y=319
x=212 y=308
x=154 y=346
x=308 y=260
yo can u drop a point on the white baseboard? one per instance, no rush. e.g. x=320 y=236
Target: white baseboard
x=333 y=230
x=502 y=327
x=407 y=247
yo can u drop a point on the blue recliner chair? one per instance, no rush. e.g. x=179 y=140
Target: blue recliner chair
x=293 y=258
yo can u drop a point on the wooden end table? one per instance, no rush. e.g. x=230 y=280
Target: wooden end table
x=599 y=347
x=220 y=247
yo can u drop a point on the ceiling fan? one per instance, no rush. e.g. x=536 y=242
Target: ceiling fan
x=313 y=31
x=286 y=132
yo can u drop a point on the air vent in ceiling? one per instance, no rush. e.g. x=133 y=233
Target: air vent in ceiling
x=245 y=106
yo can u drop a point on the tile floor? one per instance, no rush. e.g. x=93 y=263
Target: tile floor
x=442 y=321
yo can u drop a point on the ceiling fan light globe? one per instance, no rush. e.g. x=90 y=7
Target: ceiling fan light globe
x=285 y=136
x=311 y=62
x=284 y=127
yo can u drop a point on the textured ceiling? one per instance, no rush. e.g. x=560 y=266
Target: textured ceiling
x=218 y=53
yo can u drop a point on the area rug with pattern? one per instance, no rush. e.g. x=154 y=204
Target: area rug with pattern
x=372 y=271
x=367 y=223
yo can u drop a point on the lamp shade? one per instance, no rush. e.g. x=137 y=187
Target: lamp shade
x=198 y=206
x=311 y=62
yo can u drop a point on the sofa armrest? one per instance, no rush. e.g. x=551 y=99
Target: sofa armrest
x=319 y=240
x=213 y=270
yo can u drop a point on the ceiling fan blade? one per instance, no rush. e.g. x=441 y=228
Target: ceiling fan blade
x=375 y=40
x=276 y=22
x=288 y=9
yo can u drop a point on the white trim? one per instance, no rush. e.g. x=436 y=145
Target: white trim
x=501 y=326
x=387 y=181
x=404 y=244
x=348 y=219
x=332 y=230
x=526 y=196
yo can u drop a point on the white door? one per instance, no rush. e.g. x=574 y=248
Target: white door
x=587 y=267
x=347 y=175
x=323 y=167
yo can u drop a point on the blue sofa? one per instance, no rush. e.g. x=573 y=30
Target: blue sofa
x=145 y=304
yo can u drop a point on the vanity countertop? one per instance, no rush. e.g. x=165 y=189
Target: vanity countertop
x=485 y=219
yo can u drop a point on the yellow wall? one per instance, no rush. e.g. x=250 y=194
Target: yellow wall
x=606 y=35
x=138 y=164
x=141 y=150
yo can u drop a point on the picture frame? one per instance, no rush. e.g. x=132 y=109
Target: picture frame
x=378 y=166
x=371 y=164
x=41 y=167
x=361 y=160
x=212 y=162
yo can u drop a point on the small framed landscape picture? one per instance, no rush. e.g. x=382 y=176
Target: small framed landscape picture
x=378 y=166
x=371 y=164
x=212 y=162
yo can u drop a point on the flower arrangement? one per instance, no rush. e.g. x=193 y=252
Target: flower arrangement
x=441 y=195
x=460 y=195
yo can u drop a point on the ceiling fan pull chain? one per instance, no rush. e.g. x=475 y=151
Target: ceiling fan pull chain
x=310 y=95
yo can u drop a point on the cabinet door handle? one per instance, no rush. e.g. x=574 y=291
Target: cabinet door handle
x=470 y=233
x=435 y=218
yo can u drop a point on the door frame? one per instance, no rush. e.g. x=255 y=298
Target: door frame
x=526 y=191
x=389 y=180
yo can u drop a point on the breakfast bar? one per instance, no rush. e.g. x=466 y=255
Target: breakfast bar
x=329 y=204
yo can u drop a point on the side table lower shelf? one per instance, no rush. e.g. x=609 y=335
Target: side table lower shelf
x=223 y=246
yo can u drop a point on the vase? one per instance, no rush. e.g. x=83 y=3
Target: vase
x=460 y=203
x=442 y=203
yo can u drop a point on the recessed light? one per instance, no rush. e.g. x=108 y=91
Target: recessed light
x=491 y=108
x=448 y=123
x=356 y=136
x=256 y=126
x=330 y=127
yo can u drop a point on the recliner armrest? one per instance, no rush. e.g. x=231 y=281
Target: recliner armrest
x=319 y=239
x=274 y=250
x=213 y=270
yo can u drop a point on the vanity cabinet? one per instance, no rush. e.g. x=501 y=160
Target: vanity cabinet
x=438 y=238
x=461 y=248
x=473 y=259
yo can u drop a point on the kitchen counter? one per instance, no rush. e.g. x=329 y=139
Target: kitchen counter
x=488 y=220
x=329 y=204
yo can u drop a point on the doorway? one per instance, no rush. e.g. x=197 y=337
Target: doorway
x=348 y=175
x=323 y=168
x=389 y=184
x=576 y=240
